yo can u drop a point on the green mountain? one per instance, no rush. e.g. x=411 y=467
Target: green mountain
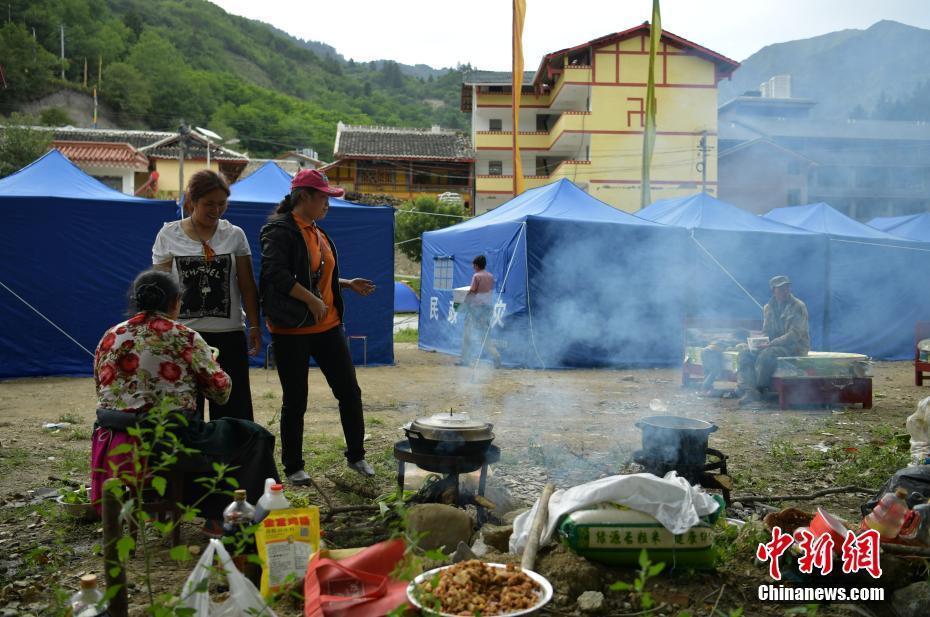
x=168 y=61
x=842 y=70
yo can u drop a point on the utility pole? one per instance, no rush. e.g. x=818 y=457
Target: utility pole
x=702 y=166
x=62 y=52
x=183 y=132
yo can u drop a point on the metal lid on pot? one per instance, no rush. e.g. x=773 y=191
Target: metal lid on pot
x=451 y=421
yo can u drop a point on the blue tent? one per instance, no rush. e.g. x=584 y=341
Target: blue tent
x=578 y=283
x=877 y=286
x=735 y=253
x=70 y=248
x=915 y=228
x=822 y=218
x=405 y=298
x=884 y=223
x=364 y=237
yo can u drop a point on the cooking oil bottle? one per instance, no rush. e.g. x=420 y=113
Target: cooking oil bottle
x=889 y=513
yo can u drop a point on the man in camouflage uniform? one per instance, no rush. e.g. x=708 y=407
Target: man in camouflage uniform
x=784 y=321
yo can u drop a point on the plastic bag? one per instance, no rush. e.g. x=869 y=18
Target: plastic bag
x=356 y=585
x=244 y=599
x=918 y=426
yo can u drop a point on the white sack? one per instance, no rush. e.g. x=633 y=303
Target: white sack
x=670 y=500
x=918 y=426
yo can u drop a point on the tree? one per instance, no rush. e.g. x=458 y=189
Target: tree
x=55 y=116
x=20 y=144
x=415 y=217
x=27 y=66
x=126 y=90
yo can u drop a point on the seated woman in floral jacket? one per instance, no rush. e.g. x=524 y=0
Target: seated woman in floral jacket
x=151 y=358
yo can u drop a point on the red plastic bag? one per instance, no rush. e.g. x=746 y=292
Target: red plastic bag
x=356 y=586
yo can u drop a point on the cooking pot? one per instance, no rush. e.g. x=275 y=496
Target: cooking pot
x=676 y=441
x=449 y=434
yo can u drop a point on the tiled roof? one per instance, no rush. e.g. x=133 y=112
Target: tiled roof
x=108 y=154
x=402 y=143
x=168 y=148
x=136 y=139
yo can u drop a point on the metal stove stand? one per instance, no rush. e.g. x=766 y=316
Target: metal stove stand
x=451 y=467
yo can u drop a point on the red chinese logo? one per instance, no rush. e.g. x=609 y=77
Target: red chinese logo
x=858 y=552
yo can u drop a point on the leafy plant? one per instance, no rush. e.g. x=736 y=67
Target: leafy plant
x=420 y=215
x=74 y=496
x=640 y=597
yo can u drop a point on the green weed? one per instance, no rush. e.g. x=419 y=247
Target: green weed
x=639 y=597
x=71 y=418
x=407 y=335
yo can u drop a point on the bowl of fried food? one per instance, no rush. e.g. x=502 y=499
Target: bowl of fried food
x=477 y=588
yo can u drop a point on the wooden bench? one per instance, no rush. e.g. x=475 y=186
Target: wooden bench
x=921 y=332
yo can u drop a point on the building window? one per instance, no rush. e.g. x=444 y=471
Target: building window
x=794 y=197
x=495 y=124
x=442 y=273
x=495 y=168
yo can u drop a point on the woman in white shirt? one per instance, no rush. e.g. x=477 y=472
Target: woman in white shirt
x=213 y=263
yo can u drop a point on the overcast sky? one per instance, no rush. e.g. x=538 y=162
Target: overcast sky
x=443 y=33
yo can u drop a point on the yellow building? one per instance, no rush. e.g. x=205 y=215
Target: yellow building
x=402 y=162
x=165 y=156
x=582 y=116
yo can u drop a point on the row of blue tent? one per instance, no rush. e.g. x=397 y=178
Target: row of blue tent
x=580 y=283
x=70 y=247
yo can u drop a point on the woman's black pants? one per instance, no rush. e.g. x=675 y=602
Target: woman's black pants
x=329 y=349
x=234 y=359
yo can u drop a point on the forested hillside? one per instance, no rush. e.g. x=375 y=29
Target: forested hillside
x=165 y=61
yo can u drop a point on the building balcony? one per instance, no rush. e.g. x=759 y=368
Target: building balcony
x=569 y=123
x=504 y=184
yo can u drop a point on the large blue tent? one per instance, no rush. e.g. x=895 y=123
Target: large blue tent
x=884 y=223
x=364 y=237
x=736 y=253
x=70 y=247
x=824 y=219
x=878 y=283
x=915 y=228
x=578 y=283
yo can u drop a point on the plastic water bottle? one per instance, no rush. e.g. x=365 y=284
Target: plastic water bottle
x=888 y=515
x=273 y=499
x=88 y=602
x=240 y=513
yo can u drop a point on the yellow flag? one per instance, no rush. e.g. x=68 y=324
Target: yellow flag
x=519 y=14
x=649 y=132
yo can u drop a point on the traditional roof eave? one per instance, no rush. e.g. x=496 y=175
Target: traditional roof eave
x=725 y=65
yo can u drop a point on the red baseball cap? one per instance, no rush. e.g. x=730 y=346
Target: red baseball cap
x=313 y=179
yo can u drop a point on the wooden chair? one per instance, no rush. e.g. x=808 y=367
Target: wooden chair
x=921 y=332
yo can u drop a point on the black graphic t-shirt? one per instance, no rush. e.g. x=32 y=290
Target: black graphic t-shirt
x=210 y=300
x=205 y=286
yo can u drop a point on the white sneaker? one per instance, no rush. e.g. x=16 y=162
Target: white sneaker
x=299 y=478
x=363 y=468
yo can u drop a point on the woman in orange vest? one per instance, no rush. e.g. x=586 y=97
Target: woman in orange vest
x=301 y=295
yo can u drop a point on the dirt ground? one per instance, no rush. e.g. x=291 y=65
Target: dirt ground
x=571 y=426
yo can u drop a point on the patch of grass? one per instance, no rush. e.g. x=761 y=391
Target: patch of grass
x=11 y=458
x=322 y=452
x=71 y=418
x=784 y=452
x=868 y=464
x=78 y=435
x=375 y=421
x=407 y=335
x=77 y=458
